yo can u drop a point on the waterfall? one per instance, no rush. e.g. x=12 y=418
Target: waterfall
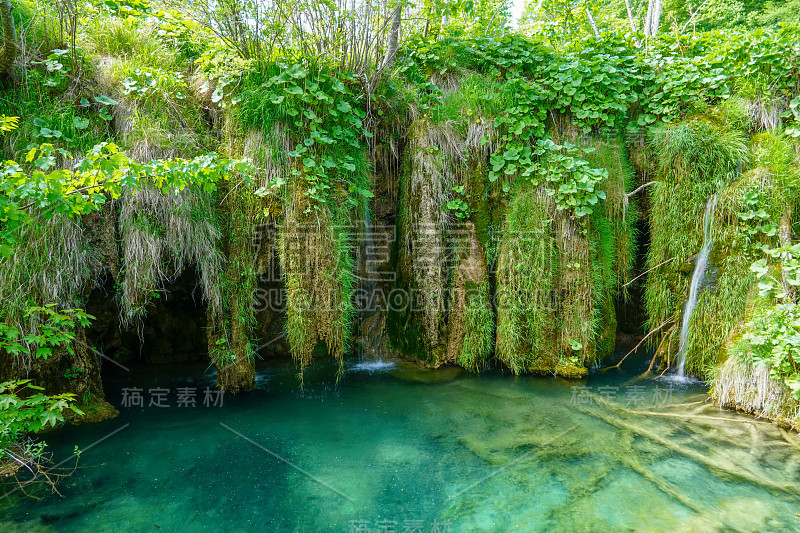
x=697 y=279
x=366 y=285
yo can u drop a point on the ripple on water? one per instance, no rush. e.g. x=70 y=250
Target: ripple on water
x=482 y=453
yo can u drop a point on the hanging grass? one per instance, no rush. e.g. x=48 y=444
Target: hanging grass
x=470 y=96
x=596 y=254
x=620 y=214
x=53 y=263
x=697 y=157
x=479 y=328
x=527 y=275
x=435 y=247
x=163 y=234
x=316 y=259
x=432 y=154
x=232 y=343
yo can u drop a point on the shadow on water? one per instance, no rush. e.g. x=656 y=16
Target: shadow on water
x=393 y=445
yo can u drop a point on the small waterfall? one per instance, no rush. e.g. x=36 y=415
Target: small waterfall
x=697 y=279
x=366 y=285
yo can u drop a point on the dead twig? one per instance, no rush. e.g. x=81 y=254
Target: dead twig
x=649 y=270
x=637 y=346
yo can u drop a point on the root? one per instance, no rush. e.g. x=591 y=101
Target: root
x=714 y=467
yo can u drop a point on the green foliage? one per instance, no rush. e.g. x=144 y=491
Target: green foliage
x=30 y=413
x=55 y=330
x=8 y=123
x=756 y=221
x=778 y=284
x=777 y=12
x=458 y=206
x=599 y=82
x=774 y=338
x=527 y=274
x=577 y=183
x=327 y=121
x=126 y=8
x=24 y=410
x=73 y=373
x=53 y=109
x=478 y=341
x=477 y=96
x=567 y=178
x=105 y=170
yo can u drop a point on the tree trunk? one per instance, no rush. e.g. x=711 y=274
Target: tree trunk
x=653 y=18
x=648 y=19
x=656 y=17
x=394 y=38
x=630 y=16
x=8 y=53
x=591 y=20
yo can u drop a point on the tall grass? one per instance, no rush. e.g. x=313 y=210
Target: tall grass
x=697 y=158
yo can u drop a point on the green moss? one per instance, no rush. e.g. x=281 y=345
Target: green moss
x=478 y=200
x=95 y=410
x=604 y=285
x=231 y=336
x=478 y=341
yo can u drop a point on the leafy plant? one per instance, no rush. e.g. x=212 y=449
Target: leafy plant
x=104 y=172
x=772 y=282
x=458 y=206
x=774 y=335
x=73 y=373
x=325 y=115
x=8 y=123
x=55 y=330
x=31 y=412
x=25 y=410
x=566 y=177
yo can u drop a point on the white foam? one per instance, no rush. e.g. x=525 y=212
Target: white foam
x=373 y=366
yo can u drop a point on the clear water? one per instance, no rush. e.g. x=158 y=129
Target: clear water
x=434 y=449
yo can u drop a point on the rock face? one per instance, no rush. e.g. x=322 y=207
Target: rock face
x=470 y=334
x=750 y=389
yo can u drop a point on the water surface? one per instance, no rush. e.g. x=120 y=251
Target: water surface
x=420 y=450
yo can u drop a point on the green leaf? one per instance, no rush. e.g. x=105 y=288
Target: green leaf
x=759 y=267
x=80 y=123
x=105 y=100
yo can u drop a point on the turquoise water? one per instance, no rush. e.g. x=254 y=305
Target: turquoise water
x=395 y=446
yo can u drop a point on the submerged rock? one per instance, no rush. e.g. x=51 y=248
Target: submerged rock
x=411 y=372
x=96 y=410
